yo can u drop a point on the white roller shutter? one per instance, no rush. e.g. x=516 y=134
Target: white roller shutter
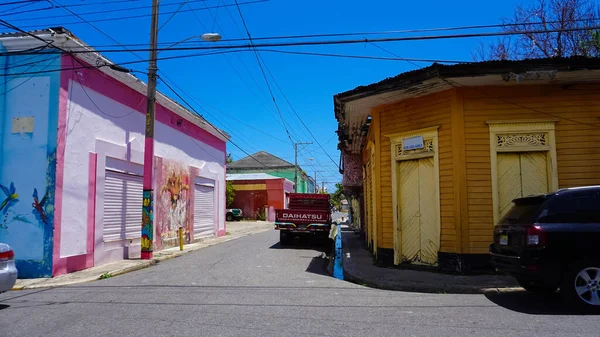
x=122 y=206
x=204 y=216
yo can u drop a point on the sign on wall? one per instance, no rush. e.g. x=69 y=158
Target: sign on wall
x=412 y=143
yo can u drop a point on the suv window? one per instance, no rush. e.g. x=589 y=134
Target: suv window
x=573 y=209
x=524 y=211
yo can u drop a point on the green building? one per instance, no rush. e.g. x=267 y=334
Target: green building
x=264 y=162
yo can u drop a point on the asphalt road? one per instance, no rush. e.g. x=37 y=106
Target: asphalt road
x=253 y=287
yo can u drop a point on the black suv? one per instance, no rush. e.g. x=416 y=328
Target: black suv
x=552 y=241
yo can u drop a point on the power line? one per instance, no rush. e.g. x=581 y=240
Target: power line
x=263 y=72
x=120 y=10
x=298 y=116
x=6 y=12
x=194 y=110
x=243 y=65
x=352 y=41
x=73 y=5
x=233 y=51
x=141 y=15
x=19 y=2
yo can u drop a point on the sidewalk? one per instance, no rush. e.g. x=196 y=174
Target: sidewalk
x=358 y=268
x=235 y=230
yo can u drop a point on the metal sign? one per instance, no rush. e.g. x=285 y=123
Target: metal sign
x=412 y=143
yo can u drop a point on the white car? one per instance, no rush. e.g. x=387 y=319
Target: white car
x=8 y=270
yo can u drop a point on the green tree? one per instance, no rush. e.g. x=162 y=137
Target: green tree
x=229 y=158
x=337 y=195
x=229 y=192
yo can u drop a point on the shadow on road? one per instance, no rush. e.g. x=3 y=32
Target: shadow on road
x=306 y=244
x=4 y=306
x=533 y=304
x=318 y=265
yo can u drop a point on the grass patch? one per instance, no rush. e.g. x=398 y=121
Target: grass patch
x=105 y=276
x=227 y=233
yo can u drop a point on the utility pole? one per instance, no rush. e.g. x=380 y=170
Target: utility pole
x=148 y=195
x=296 y=165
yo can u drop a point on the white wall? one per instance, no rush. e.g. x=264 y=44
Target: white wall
x=91 y=118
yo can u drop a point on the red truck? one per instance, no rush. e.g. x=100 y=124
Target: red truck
x=308 y=214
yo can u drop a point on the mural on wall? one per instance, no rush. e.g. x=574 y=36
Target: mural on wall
x=173 y=202
x=147 y=218
x=21 y=219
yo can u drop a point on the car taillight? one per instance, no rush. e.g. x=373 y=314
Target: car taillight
x=535 y=236
x=8 y=255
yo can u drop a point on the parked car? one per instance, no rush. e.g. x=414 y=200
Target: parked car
x=233 y=214
x=550 y=241
x=8 y=270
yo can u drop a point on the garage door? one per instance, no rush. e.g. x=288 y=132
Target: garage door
x=204 y=216
x=122 y=206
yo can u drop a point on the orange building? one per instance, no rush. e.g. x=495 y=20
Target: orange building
x=437 y=155
x=255 y=192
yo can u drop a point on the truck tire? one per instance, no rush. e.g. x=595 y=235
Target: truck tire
x=580 y=286
x=284 y=239
x=536 y=287
x=229 y=217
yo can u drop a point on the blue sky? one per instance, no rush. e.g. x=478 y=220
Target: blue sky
x=229 y=89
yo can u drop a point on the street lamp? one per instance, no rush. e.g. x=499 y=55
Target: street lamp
x=208 y=37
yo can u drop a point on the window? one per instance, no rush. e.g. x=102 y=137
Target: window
x=573 y=209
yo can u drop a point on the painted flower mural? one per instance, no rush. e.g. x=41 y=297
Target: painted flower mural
x=173 y=202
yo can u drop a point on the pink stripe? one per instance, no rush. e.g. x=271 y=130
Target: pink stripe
x=63 y=101
x=109 y=87
x=148 y=162
x=222 y=232
x=73 y=263
x=91 y=216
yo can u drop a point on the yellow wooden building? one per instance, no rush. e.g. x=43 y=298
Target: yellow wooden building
x=437 y=155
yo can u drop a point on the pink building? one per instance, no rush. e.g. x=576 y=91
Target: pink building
x=83 y=124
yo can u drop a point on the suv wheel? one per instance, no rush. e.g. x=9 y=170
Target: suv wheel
x=229 y=217
x=581 y=285
x=536 y=287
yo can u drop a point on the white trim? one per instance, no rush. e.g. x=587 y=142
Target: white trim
x=522 y=127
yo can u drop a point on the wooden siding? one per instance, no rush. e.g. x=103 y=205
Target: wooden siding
x=433 y=110
x=578 y=153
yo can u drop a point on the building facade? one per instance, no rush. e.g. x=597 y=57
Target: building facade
x=264 y=162
x=72 y=146
x=258 y=194
x=438 y=154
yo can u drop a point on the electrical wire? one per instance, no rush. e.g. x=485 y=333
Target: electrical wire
x=139 y=15
x=194 y=110
x=263 y=73
x=19 y=2
x=118 y=10
x=7 y=12
x=267 y=107
x=352 y=41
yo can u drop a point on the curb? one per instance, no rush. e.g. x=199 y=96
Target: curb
x=351 y=276
x=140 y=265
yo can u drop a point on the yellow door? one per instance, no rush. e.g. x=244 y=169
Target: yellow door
x=419 y=231
x=368 y=208
x=520 y=174
x=373 y=205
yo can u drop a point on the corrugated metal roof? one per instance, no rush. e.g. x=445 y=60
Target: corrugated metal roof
x=260 y=160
